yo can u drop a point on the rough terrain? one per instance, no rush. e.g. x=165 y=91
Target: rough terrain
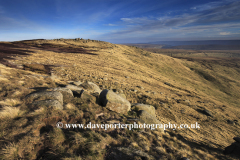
x=43 y=82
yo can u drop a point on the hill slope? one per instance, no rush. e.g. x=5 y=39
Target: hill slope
x=180 y=91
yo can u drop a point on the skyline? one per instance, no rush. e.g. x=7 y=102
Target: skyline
x=120 y=21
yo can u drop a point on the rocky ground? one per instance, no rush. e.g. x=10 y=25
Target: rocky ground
x=44 y=82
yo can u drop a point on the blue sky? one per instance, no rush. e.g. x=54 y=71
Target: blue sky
x=120 y=21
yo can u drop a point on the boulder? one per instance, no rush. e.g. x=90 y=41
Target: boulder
x=77 y=83
x=44 y=95
x=73 y=87
x=120 y=153
x=87 y=96
x=65 y=91
x=147 y=118
x=139 y=106
x=122 y=95
x=114 y=102
x=54 y=104
x=91 y=87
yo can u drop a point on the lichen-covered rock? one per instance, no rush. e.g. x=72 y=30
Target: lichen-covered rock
x=149 y=119
x=139 y=106
x=122 y=95
x=54 y=104
x=44 y=95
x=77 y=83
x=114 y=102
x=64 y=91
x=91 y=87
x=87 y=96
x=73 y=87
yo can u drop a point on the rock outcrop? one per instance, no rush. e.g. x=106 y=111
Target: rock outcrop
x=149 y=119
x=114 y=102
x=91 y=87
x=53 y=104
x=139 y=106
x=45 y=95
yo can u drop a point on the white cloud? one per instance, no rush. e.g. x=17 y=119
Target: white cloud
x=110 y=24
x=225 y=33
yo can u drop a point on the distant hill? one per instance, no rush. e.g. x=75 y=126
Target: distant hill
x=206 y=47
x=208 y=42
x=193 y=45
x=145 y=45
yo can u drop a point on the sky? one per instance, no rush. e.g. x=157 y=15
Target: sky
x=120 y=21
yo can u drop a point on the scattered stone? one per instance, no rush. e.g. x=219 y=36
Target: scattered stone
x=230 y=122
x=105 y=78
x=73 y=87
x=185 y=102
x=98 y=115
x=182 y=111
x=54 y=104
x=91 y=87
x=139 y=106
x=184 y=158
x=64 y=91
x=121 y=153
x=149 y=119
x=45 y=95
x=87 y=96
x=126 y=77
x=140 y=87
x=207 y=112
x=114 y=102
x=167 y=83
x=120 y=91
x=133 y=90
x=69 y=106
x=77 y=83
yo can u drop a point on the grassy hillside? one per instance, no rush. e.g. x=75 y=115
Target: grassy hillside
x=179 y=89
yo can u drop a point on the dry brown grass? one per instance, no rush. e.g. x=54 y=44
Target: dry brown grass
x=10 y=112
x=213 y=85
